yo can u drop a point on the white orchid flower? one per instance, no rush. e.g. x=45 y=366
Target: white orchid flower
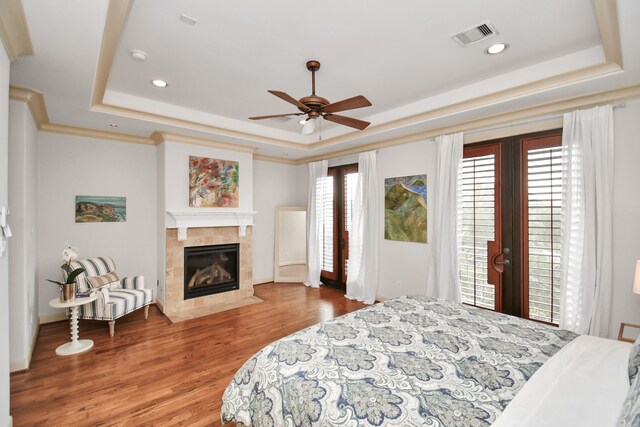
x=69 y=255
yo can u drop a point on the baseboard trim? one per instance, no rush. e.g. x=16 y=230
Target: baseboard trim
x=18 y=365
x=160 y=306
x=34 y=341
x=54 y=317
x=380 y=298
x=25 y=364
x=10 y=421
x=270 y=282
x=262 y=281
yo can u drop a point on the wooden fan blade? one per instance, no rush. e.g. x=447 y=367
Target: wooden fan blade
x=289 y=99
x=274 y=116
x=347 y=104
x=347 y=121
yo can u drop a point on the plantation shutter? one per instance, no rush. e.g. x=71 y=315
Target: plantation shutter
x=542 y=185
x=477 y=201
x=350 y=181
x=325 y=186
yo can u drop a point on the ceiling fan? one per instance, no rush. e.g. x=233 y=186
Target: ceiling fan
x=315 y=106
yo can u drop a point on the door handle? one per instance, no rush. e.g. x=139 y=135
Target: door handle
x=497 y=260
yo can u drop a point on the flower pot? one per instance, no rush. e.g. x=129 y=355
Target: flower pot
x=67 y=292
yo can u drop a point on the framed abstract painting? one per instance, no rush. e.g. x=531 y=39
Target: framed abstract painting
x=213 y=183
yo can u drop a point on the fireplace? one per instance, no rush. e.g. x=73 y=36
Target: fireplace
x=210 y=270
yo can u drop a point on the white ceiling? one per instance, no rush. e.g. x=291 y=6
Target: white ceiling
x=397 y=54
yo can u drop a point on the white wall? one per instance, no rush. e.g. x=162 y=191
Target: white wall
x=4 y=264
x=176 y=157
x=69 y=166
x=274 y=185
x=23 y=197
x=407 y=262
x=626 y=215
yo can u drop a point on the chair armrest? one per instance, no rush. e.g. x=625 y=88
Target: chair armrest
x=133 y=282
x=103 y=296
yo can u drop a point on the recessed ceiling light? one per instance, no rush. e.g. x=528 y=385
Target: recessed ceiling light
x=496 y=48
x=159 y=83
x=138 y=55
x=113 y=125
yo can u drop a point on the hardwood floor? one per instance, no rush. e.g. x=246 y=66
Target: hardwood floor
x=157 y=373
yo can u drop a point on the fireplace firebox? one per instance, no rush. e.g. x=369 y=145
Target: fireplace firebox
x=210 y=270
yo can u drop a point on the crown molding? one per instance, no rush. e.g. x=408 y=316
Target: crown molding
x=161 y=136
x=274 y=159
x=95 y=133
x=36 y=103
x=510 y=123
x=202 y=127
x=14 y=31
x=34 y=100
x=501 y=119
x=479 y=102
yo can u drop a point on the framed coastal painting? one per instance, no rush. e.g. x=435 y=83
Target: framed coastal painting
x=101 y=209
x=405 y=208
x=213 y=183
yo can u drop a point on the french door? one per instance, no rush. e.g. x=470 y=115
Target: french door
x=510 y=203
x=338 y=201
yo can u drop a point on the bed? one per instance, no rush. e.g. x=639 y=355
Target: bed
x=421 y=361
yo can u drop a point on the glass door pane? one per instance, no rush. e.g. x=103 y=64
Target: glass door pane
x=478 y=203
x=541 y=210
x=350 y=180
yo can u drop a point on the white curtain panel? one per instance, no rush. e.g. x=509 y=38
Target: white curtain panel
x=444 y=275
x=587 y=144
x=362 y=271
x=315 y=221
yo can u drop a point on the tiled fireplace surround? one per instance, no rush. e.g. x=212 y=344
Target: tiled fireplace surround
x=176 y=307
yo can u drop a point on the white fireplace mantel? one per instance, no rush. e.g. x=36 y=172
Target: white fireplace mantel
x=193 y=219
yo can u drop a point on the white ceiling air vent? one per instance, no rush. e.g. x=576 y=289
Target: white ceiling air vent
x=475 y=34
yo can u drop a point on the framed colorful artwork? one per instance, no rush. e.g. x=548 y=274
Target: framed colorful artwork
x=101 y=209
x=405 y=208
x=213 y=183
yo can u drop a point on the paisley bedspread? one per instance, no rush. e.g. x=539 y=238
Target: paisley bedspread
x=405 y=362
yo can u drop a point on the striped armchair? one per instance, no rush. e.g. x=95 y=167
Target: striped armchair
x=115 y=299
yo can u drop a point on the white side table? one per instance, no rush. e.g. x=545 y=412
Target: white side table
x=76 y=345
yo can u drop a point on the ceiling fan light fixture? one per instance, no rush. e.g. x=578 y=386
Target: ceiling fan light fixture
x=303 y=121
x=309 y=127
